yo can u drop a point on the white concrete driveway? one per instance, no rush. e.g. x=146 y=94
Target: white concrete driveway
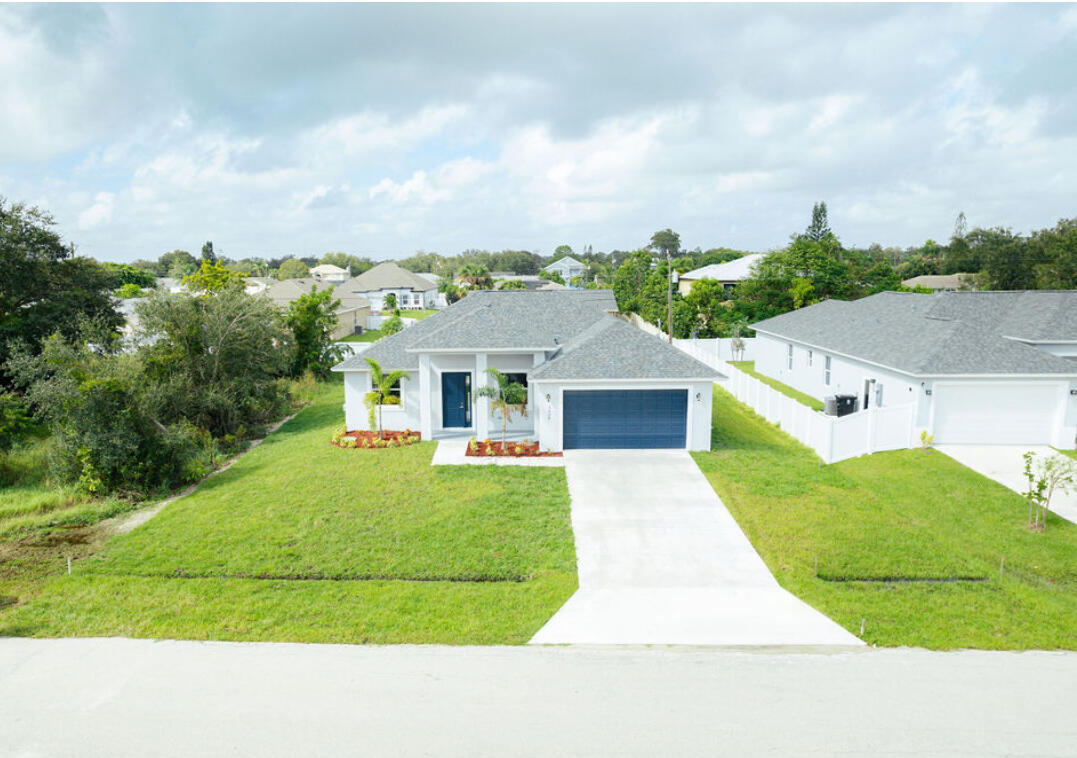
x=661 y=561
x=1004 y=464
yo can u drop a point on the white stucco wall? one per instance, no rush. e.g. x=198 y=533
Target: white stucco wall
x=846 y=375
x=394 y=417
x=377 y=298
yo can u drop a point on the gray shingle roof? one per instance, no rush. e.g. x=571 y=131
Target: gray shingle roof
x=387 y=276
x=613 y=349
x=593 y=344
x=951 y=333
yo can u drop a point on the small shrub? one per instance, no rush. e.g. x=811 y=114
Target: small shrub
x=927 y=441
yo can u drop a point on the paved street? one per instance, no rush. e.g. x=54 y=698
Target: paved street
x=116 y=698
x=661 y=561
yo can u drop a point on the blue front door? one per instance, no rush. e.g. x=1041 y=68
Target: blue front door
x=456 y=399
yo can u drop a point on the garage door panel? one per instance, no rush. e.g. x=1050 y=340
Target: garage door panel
x=624 y=419
x=1011 y=414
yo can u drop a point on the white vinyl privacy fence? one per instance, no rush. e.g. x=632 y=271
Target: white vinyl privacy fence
x=833 y=438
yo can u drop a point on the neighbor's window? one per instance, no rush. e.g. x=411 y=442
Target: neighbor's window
x=789 y=356
x=826 y=370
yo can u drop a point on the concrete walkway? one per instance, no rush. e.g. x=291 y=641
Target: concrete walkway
x=119 y=698
x=1004 y=464
x=661 y=561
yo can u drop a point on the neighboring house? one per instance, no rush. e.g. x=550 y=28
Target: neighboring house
x=941 y=282
x=169 y=284
x=352 y=313
x=568 y=267
x=981 y=367
x=729 y=274
x=531 y=281
x=411 y=290
x=327 y=272
x=440 y=301
x=256 y=285
x=593 y=380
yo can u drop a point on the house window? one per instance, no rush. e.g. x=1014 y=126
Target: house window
x=809 y=358
x=396 y=392
x=517 y=379
x=826 y=370
x=789 y=357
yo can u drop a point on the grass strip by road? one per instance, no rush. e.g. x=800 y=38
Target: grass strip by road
x=908 y=541
x=301 y=540
x=748 y=367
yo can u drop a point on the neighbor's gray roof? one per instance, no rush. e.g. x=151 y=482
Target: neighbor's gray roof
x=614 y=349
x=950 y=333
x=940 y=281
x=288 y=290
x=492 y=320
x=567 y=259
x=387 y=276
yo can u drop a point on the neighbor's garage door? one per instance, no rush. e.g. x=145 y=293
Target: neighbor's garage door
x=1005 y=414
x=600 y=419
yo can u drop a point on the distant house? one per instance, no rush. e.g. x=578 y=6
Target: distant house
x=941 y=282
x=728 y=274
x=568 y=267
x=255 y=285
x=327 y=272
x=169 y=284
x=531 y=281
x=351 y=314
x=412 y=290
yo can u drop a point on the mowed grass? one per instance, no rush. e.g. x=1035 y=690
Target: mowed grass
x=908 y=541
x=748 y=367
x=304 y=541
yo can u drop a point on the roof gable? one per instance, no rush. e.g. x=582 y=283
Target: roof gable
x=565 y=262
x=385 y=276
x=730 y=271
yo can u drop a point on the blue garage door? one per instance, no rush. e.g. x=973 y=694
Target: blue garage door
x=605 y=419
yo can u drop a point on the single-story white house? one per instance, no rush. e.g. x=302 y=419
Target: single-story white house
x=327 y=272
x=729 y=274
x=412 y=290
x=981 y=367
x=593 y=380
x=568 y=267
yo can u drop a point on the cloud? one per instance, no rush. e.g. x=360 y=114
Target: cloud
x=381 y=129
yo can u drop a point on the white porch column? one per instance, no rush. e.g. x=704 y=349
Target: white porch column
x=426 y=390
x=481 y=406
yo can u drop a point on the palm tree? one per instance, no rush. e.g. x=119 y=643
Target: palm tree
x=450 y=290
x=505 y=396
x=477 y=276
x=381 y=393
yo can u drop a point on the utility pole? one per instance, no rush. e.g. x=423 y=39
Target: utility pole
x=669 y=296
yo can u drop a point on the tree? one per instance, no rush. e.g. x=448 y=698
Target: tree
x=45 y=289
x=512 y=284
x=129 y=291
x=381 y=392
x=1056 y=251
x=312 y=319
x=123 y=273
x=293 y=268
x=215 y=359
x=561 y=251
x=667 y=242
x=452 y=293
x=476 y=276
x=208 y=256
x=390 y=302
x=819 y=228
x=213 y=277
x=177 y=264
x=505 y=397
x=353 y=264
x=551 y=276
x=106 y=432
x=629 y=281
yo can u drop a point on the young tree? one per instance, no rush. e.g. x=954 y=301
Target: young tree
x=389 y=302
x=452 y=292
x=477 y=276
x=312 y=319
x=1046 y=476
x=381 y=391
x=505 y=397
x=392 y=325
x=551 y=276
x=293 y=268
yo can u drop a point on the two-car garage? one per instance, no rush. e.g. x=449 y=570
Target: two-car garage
x=997 y=412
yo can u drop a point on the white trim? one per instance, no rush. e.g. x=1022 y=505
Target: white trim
x=652 y=379
x=480 y=349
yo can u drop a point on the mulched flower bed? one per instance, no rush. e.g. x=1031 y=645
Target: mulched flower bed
x=487 y=448
x=371 y=440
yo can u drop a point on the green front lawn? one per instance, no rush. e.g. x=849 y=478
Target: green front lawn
x=304 y=541
x=368 y=335
x=748 y=367
x=1070 y=453
x=880 y=525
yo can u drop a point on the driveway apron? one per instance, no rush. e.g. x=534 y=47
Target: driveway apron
x=661 y=561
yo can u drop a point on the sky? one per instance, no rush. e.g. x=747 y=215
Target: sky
x=381 y=130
